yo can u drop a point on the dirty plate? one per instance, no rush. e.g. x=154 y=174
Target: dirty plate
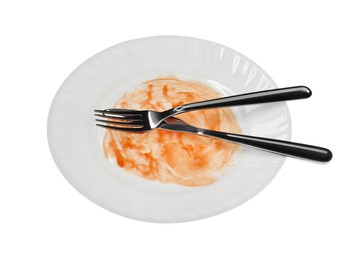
x=75 y=141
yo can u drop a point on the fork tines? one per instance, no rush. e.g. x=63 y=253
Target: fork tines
x=119 y=119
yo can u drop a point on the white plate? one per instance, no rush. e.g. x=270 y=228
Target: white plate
x=102 y=79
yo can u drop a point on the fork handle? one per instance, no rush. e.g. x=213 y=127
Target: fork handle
x=265 y=96
x=277 y=146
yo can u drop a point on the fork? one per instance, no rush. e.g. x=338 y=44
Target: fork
x=145 y=120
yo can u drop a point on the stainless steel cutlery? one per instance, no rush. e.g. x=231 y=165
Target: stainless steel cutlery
x=145 y=120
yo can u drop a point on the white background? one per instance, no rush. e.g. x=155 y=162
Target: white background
x=303 y=214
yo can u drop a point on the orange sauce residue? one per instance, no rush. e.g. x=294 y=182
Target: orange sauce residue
x=167 y=156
